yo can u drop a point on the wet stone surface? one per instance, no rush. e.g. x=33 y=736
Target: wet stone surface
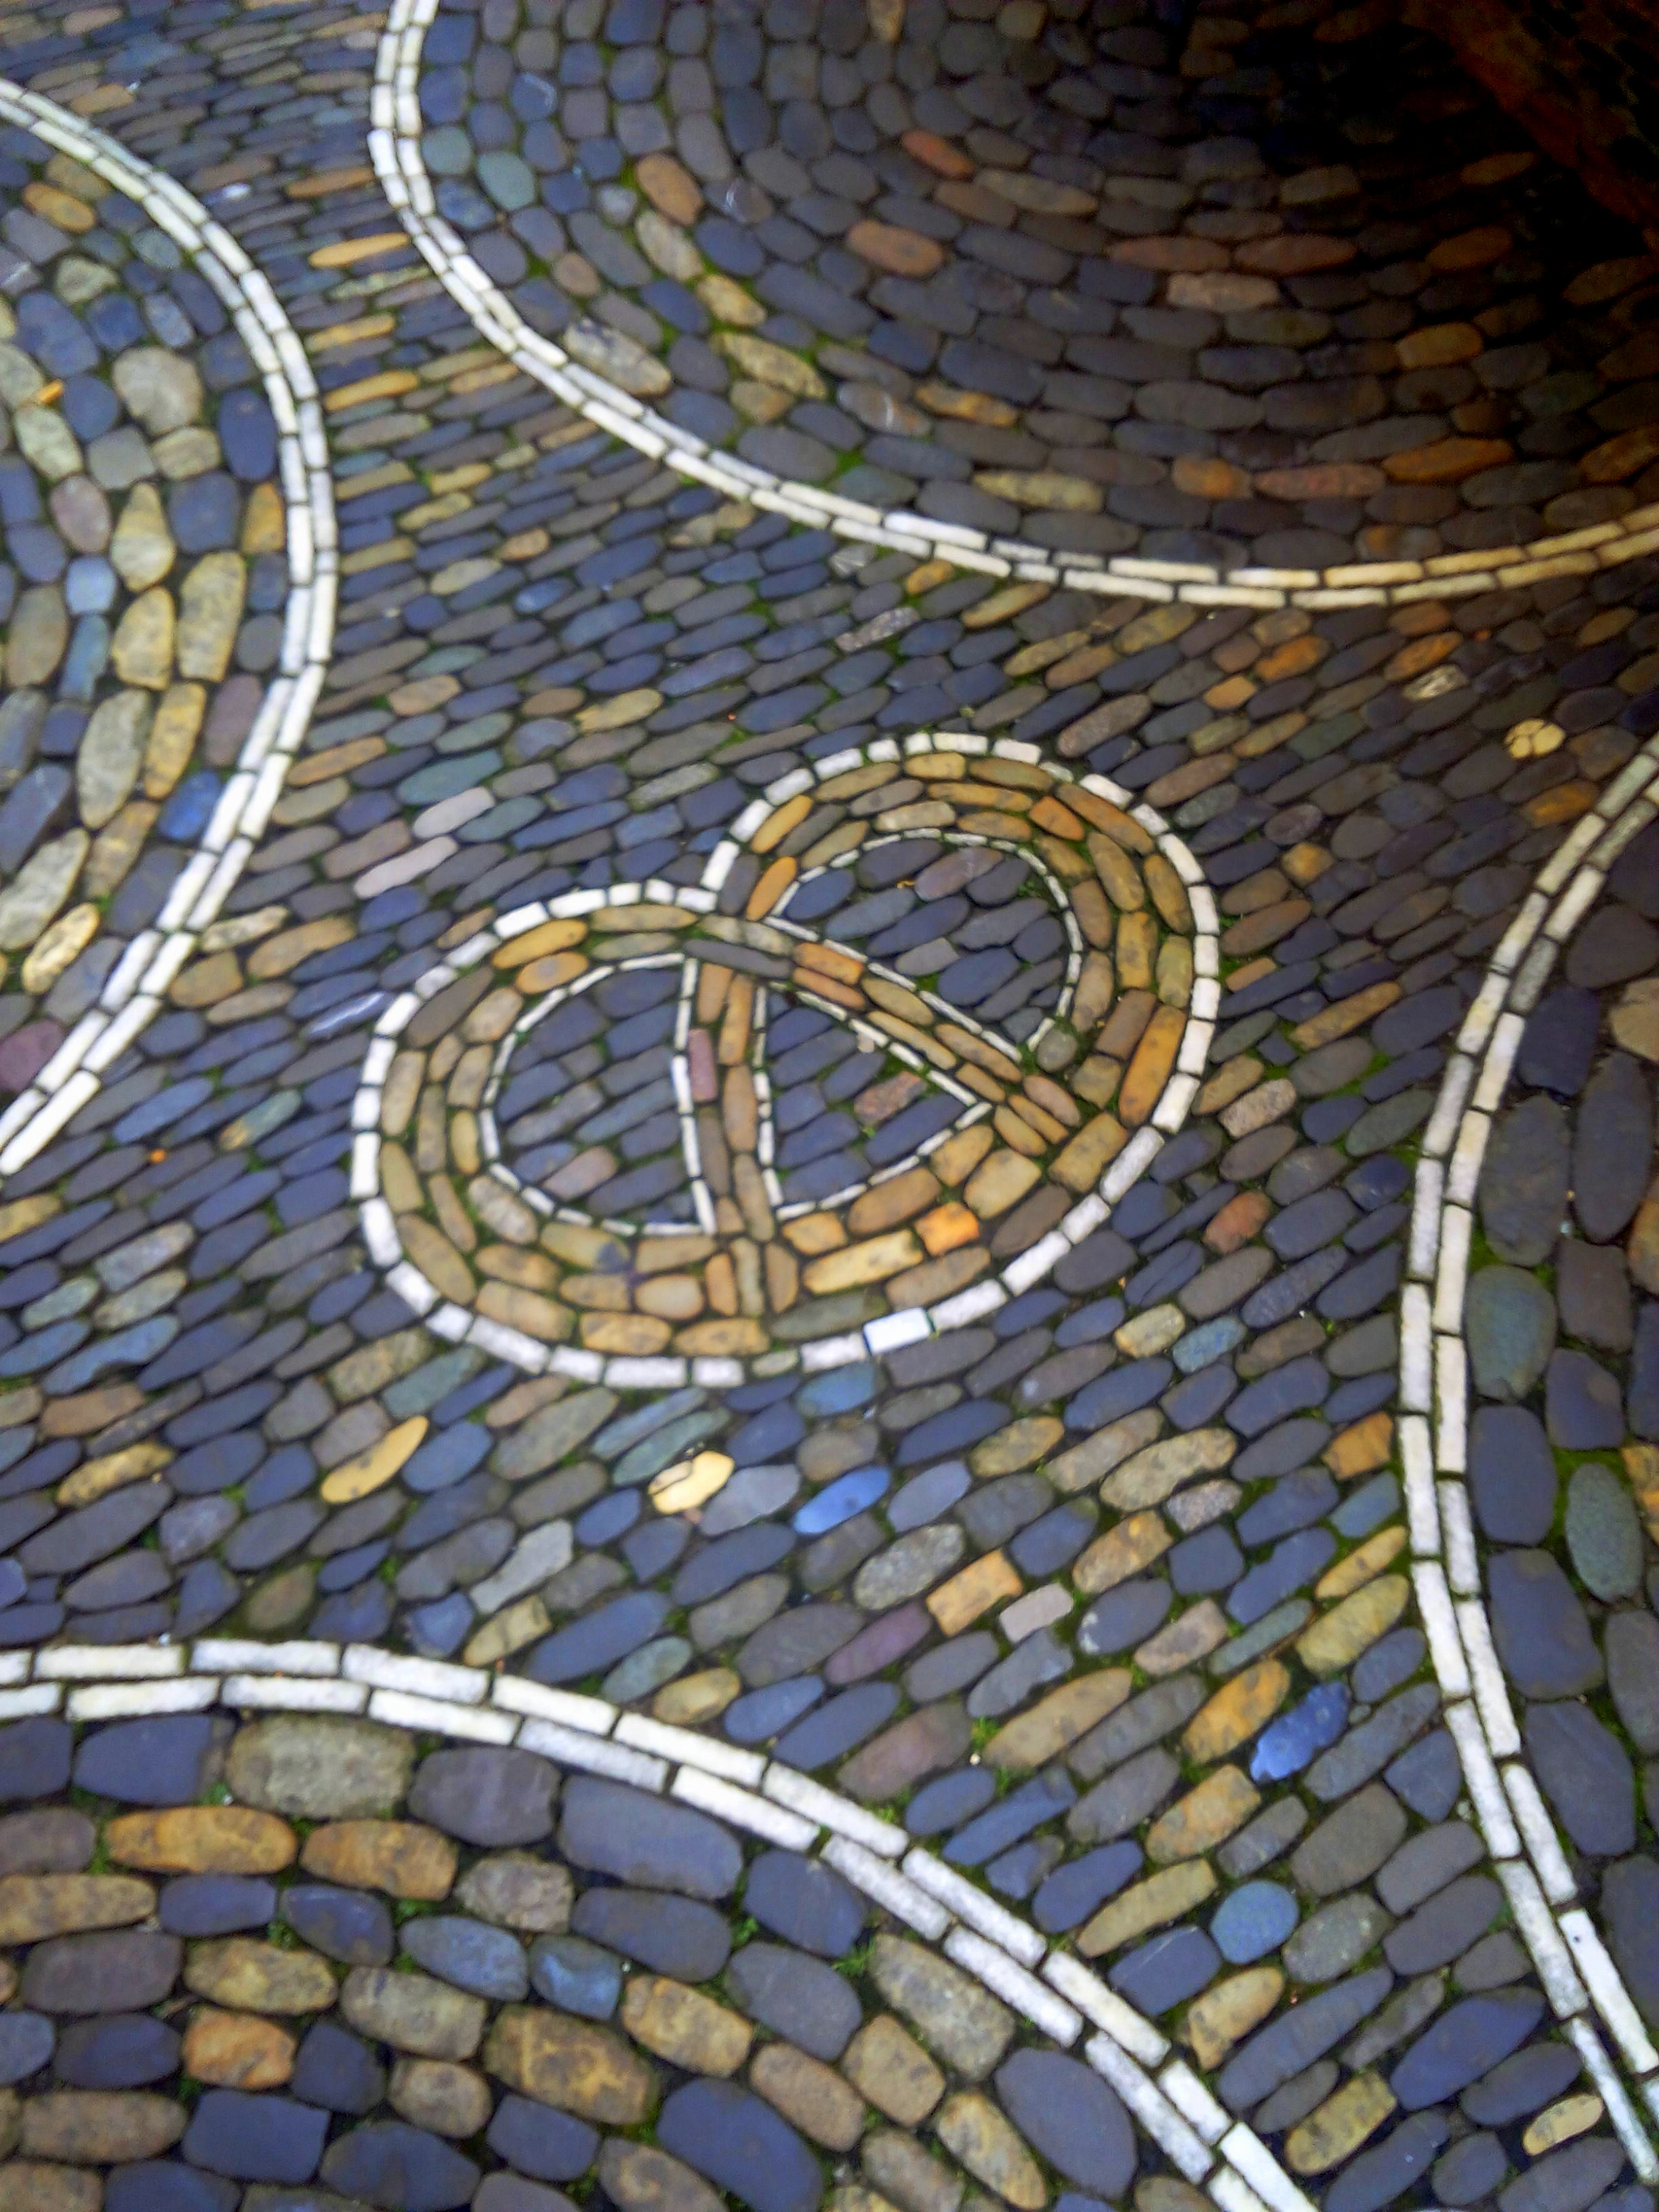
x=1102 y=1591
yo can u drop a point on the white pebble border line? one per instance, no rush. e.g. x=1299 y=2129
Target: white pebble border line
x=1045 y=1984
x=138 y=983
x=890 y=1331
x=394 y=140
x=1573 y=1961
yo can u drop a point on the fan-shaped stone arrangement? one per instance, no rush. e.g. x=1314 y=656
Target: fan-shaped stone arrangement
x=296 y=1949
x=167 y=608
x=146 y=586
x=1052 y=283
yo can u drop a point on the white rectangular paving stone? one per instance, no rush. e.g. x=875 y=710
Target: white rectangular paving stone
x=890 y=1888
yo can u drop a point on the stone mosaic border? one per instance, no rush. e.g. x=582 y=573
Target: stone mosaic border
x=137 y=987
x=394 y=140
x=1573 y=1961
x=889 y=1331
x=1039 y=1980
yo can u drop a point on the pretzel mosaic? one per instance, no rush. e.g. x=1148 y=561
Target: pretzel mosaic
x=1017 y=1165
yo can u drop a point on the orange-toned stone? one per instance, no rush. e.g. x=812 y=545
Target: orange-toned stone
x=1448 y=460
x=1565 y=804
x=1237 y=1709
x=900 y=252
x=966 y=1594
x=1344 y=1017
x=1304 y=864
x=1471 y=249
x=1237 y=1222
x=1295 y=658
x=670 y=189
x=1170 y=253
x=1204 y=478
x=1294 y=254
x=1621 y=457
x=1361 y=1449
x=947 y=1227
x=937 y=153
x=830 y=960
x=1149 y=1070
x=237 y=2050
x=1322 y=480
x=1122 y=1552
x=404 y=1857
x=1231 y=693
x=1439 y=345
x=202 y=1839
x=1422 y=653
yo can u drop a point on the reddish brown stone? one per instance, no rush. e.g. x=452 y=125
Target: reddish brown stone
x=1323 y=480
x=1294 y=254
x=901 y=253
x=1448 y=461
x=1172 y=253
x=937 y=153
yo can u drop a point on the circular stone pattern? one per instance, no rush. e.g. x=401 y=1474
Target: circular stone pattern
x=142 y=586
x=1562 y=1328
x=700 y=1128
x=1061 y=275
x=523 y=1982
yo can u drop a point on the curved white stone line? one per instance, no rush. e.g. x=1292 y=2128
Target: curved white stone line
x=394 y=142
x=1573 y=1961
x=138 y=983
x=889 y=1331
x=1030 y=1973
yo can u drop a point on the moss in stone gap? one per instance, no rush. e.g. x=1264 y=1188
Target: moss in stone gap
x=856 y=1962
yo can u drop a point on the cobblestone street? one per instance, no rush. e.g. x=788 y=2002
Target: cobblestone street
x=829 y=1210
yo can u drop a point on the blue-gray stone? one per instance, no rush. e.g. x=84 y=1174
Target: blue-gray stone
x=799 y=1997
x=576 y=1976
x=1291 y=1742
x=1543 y=1636
x=673 y=1935
x=804 y=1902
x=347 y=1924
x=251 y=2137
x=486 y=1960
x=1071 y=2116
x=1509 y=1322
x=1254 y=1920
x=1586 y=1774
x=742 y=2146
x=1463 y=2044
x=637 y=1838
x=407 y=2169
x=26 y=2042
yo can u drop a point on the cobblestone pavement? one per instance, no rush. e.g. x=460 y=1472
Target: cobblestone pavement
x=828 y=1225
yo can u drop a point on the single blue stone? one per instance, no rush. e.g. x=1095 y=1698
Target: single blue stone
x=1301 y=1734
x=1254 y=1920
x=839 y=1500
x=576 y=1976
x=191 y=807
x=838 y=1390
x=90 y=586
